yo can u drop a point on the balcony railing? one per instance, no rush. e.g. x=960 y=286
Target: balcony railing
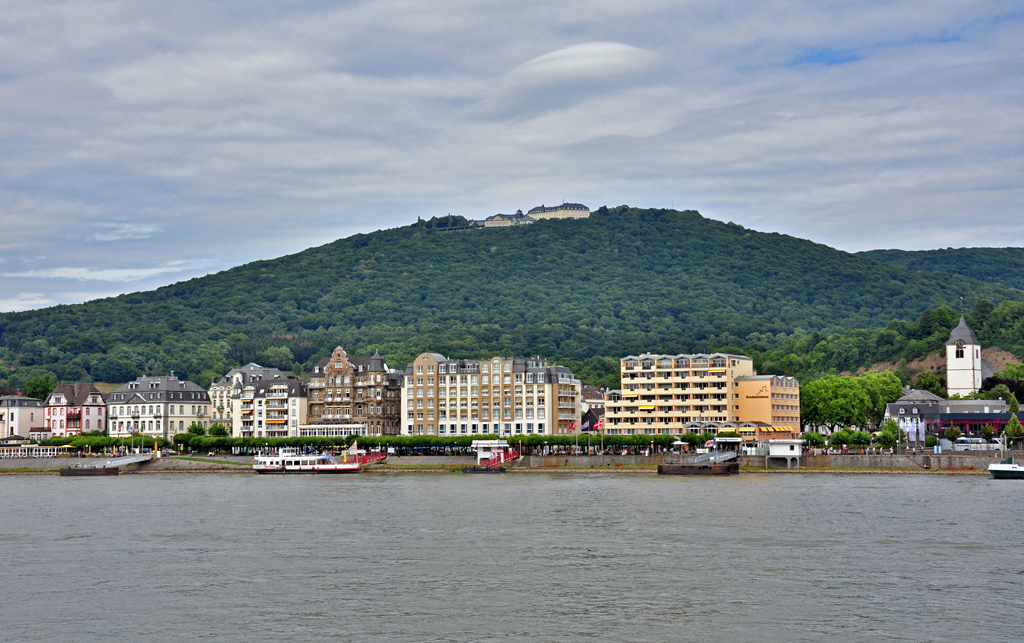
x=135 y=416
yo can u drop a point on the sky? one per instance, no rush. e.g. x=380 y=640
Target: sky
x=144 y=143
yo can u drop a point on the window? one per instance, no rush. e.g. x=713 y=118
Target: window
x=419 y=370
x=508 y=367
x=430 y=371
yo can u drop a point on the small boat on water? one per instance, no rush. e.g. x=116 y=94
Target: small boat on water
x=1006 y=469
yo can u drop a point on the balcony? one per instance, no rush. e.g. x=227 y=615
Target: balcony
x=135 y=416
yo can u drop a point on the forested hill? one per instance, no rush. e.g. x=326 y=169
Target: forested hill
x=996 y=265
x=620 y=282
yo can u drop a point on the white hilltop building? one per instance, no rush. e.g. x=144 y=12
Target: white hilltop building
x=965 y=370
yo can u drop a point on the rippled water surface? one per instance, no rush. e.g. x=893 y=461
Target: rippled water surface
x=545 y=557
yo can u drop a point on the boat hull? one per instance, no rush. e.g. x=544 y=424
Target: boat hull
x=92 y=471
x=1006 y=472
x=483 y=469
x=699 y=469
x=328 y=470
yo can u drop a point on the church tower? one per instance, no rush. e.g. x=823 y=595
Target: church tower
x=963 y=360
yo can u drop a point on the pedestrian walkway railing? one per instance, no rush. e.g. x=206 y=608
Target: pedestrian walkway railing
x=502 y=457
x=368 y=458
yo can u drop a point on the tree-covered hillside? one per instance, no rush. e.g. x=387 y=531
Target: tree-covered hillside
x=810 y=355
x=995 y=265
x=584 y=291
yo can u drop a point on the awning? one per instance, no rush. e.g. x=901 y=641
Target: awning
x=647 y=407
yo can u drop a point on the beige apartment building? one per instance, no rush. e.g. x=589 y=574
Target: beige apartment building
x=675 y=394
x=503 y=396
x=160 y=407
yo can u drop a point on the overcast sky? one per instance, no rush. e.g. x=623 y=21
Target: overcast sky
x=148 y=142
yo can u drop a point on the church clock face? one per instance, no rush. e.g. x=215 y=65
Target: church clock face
x=959 y=348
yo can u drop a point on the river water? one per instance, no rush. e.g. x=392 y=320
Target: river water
x=543 y=557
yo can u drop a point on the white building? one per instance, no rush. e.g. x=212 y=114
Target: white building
x=73 y=408
x=270 y=409
x=19 y=415
x=159 y=407
x=965 y=370
x=224 y=393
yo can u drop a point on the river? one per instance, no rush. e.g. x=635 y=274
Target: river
x=541 y=557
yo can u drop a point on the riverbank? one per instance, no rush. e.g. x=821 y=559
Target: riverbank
x=947 y=464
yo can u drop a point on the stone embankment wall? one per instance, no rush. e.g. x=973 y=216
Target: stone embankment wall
x=588 y=461
x=930 y=461
x=431 y=460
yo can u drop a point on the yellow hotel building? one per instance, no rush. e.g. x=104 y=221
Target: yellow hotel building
x=676 y=394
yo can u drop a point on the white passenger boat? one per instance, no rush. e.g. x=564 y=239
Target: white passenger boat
x=292 y=462
x=1006 y=469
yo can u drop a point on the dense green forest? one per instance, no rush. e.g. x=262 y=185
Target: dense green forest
x=811 y=355
x=583 y=292
x=995 y=265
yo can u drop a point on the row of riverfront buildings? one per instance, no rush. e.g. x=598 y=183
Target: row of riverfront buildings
x=438 y=396
x=433 y=396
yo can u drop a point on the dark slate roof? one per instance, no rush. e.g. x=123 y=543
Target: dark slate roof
x=296 y=388
x=988 y=369
x=591 y=392
x=963 y=333
x=917 y=395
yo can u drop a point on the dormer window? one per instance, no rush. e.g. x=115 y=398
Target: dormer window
x=902 y=410
x=914 y=410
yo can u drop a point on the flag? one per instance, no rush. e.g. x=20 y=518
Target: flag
x=709 y=443
x=586 y=426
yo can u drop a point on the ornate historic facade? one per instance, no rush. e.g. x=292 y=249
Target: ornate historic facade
x=346 y=390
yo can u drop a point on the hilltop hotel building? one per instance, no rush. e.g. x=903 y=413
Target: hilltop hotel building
x=501 y=395
x=674 y=394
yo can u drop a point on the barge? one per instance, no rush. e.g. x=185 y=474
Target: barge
x=88 y=471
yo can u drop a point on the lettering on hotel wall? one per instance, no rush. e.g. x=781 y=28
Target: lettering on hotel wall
x=758 y=396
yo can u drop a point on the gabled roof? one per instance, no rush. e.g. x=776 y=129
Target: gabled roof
x=963 y=333
x=917 y=395
x=75 y=394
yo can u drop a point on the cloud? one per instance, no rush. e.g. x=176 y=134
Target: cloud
x=142 y=145
x=587 y=62
x=120 y=231
x=102 y=274
x=25 y=301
